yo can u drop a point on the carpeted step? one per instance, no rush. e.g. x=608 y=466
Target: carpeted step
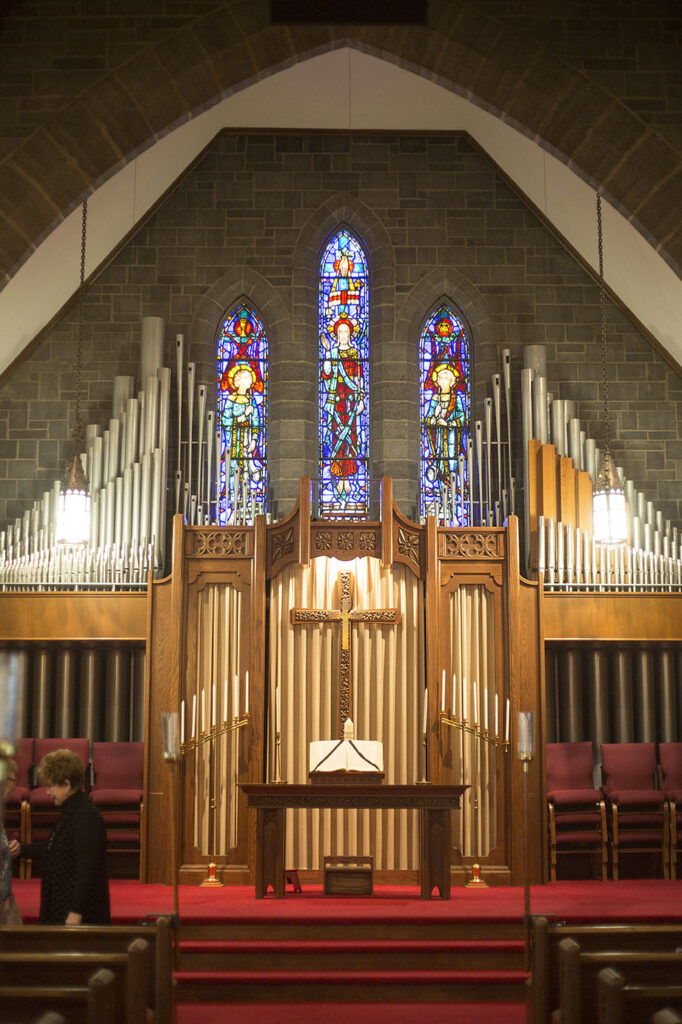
x=358 y=1013
x=342 y=954
x=350 y=986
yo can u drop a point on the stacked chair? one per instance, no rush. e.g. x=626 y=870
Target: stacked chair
x=116 y=774
x=577 y=814
x=639 y=810
x=670 y=781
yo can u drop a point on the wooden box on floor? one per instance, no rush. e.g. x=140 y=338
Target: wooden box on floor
x=348 y=876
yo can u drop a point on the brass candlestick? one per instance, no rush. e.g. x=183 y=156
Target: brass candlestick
x=278 y=758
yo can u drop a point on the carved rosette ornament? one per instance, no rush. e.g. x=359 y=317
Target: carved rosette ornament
x=219 y=543
x=345 y=540
x=408 y=544
x=368 y=541
x=473 y=545
x=323 y=540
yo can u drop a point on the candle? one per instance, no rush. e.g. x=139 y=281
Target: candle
x=496 y=716
x=442 y=700
x=182 y=721
x=194 y=715
x=213 y=704
x=506 y=722
x=224 y=700
x=203 y=710
x=426 y=711
x=464 y=700
x=475 y=703
x=485 y=708
x=454 y=695
x=278 y=707
x=246 y=695
x=235 y=698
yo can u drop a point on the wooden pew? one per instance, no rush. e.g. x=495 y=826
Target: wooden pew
x=579 y=970
x=92 y=1003
x=546 y=936
x=105 y=939
x=620 y=1002
x=129 y=969
x=50 y=1018
x=666 y=1017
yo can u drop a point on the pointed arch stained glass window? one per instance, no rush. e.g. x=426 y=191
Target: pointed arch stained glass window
x=242 y=388
x=343 y=379
x=445 y=414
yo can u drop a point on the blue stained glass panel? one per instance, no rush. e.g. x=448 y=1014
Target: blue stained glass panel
x=445 y=413
x=242 y=390
x=343 y=379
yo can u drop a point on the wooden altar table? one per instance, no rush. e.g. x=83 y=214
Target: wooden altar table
x=434 y=804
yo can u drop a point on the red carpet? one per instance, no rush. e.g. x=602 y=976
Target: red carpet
x=630 y=900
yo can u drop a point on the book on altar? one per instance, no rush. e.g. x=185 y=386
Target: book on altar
x=347 y=754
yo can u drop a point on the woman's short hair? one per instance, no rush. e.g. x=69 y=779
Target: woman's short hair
x=62 y=766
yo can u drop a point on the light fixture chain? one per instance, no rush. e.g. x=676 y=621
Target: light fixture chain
x=78 y=428
x=602 y=312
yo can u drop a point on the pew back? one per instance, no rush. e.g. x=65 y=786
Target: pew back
x=91 y=1003
x=620 y=1002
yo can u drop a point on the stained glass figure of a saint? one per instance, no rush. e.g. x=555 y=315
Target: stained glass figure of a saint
x=445 y=414
x=242 y=413
x=343 y=379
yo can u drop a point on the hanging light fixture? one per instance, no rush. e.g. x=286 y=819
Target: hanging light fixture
x=609 y=520
x=73 y=512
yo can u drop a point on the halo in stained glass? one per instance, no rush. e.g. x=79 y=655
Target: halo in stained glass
x=242 y=391
x=445 y=414
x=343 y=379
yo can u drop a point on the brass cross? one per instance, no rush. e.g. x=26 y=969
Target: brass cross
x=345 y=615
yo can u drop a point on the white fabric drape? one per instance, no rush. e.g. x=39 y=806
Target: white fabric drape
x=216 y=664
x=387 y=679
x=474 y=676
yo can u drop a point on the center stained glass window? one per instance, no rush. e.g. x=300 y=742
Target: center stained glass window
x=445 y=415
x=343 y=379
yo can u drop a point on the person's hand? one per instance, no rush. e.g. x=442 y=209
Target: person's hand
x=73 y=918
x=14 y=848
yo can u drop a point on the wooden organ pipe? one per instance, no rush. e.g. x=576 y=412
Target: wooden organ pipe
x=571 y=696
x=551 y=719
x=598 y=688
x=90 y=702
x=117 y=696
x=137 y=693
x=645 y=697
x=666 y=731
x=623 y=697
x=65 y=693
x=42 y=697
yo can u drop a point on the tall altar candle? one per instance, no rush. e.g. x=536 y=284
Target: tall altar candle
x=426 y=711
x=235 y=698
x=475 y=703
x=224 y=700
x=464 y=700
x=485 y=708
x=246 y=693
x=194 y=716
x=278 y=707
x=454 y=695
x=182 y=721
x=213 y=704
x=497 y=720
x=442 y=700
x=506 y=722
x=203 y=710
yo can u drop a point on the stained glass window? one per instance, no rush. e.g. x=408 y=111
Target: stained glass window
x=343 y=379
x=242 y=412
x=445 y=415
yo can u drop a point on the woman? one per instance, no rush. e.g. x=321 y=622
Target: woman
x=9 y=912
x=74 y=885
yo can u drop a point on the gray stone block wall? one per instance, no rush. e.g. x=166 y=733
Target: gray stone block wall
x=437 y=220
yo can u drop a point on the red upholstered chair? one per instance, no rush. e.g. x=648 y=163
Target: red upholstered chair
x=670 y=781
x=577 y=815
x=639 y=811
x=16 y=805
x=117 y=791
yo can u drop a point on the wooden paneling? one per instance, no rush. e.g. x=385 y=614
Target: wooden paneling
x=74 y=616
x=612 y=616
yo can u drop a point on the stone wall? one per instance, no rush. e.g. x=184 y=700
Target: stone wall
x=437 y=221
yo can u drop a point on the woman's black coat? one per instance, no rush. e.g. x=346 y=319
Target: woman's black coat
x=73 y=865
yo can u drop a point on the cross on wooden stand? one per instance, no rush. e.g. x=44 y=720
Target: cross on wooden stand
x=345 y=615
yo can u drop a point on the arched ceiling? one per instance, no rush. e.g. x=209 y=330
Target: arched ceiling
x=234 y=48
